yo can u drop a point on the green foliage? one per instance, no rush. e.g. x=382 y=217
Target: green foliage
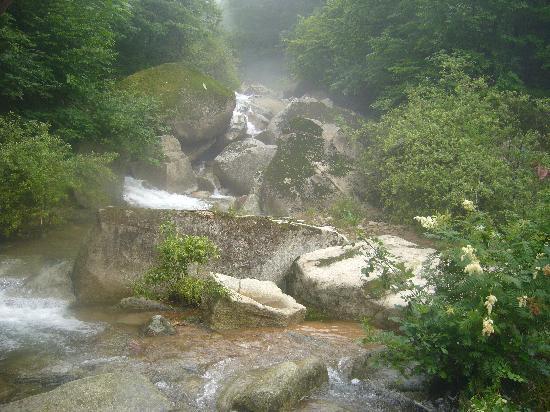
x=170 y=279
x=347 y=212
x=459 y=138
x=376 y=49
x=165 y=31
x=37 y=173
x=481 y=321
x=257 y=25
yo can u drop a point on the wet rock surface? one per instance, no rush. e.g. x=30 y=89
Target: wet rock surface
x=239 y=162
x=331 y=280
x=122 y=247
x=158 y=326
x=140 y=304
x=276 y=388
x=252 y=303
x=108 y=392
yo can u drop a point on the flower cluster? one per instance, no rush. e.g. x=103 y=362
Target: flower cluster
x=427 y=222
x=522 y=301
x=490 y=302
x=468 y=254
x=488 y=328
x=468 y=205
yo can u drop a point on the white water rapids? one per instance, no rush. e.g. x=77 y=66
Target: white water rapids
x=26 y=320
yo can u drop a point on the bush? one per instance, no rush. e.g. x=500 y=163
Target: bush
x=170 y=279
x=347 y=212
x=458 y=138
x=480 y=324
x=37 y=173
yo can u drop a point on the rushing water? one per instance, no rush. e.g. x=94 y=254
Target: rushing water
x=243 y=108
x=137 y=194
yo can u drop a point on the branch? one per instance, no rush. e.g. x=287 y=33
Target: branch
x=4 y=4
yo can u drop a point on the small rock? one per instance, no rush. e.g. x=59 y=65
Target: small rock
x=158 y=326
x=276 y=388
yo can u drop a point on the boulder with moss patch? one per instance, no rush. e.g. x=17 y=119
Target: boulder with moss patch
x=122 y=247
x=306 y=171
x=332 y=281
x=198 y=107
x=238 y=164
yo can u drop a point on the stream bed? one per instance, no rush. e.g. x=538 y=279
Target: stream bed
x=44 y=342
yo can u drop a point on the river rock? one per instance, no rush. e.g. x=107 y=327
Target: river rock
x=331 y=280
x=174 y=173
x=276 y=388
x=107 y=392
x=122 y=247
x=198 y=107
x=307 y=171
x=237 y=165
x=252 y=303
x=158 y=326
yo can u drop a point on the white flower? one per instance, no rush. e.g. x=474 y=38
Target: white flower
x=468 y=205
x=522 y=301
x=480 y=227
x=490 y=302
x=488 y=328
x=468 y=253
x=427 y=222
x=473 y=268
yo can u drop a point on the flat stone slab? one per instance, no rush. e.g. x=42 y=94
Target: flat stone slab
x=252 y=303
x=108 y=392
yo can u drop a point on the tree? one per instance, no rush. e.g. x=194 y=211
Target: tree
x=375 y=49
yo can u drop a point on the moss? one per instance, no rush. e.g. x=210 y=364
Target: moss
x=348 y=254
x=292 y=165
x=179 y=89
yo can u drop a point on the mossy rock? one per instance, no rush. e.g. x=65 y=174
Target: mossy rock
x=304 y=170
x=198 y=108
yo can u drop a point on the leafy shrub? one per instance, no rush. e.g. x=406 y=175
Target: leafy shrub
x=458 y=138
x=347 y=212
x=37 y=173
x=481 y=322
x=170 y=279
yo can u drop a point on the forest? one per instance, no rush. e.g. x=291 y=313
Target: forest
x=450 y=101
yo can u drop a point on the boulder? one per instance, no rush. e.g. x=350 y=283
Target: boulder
x=158 y=325
x=174 y=173
x=140 y=304
x=198 y=107
x=107 y=392
x=122 y=246
x=252 y=303
x=276 y=388
x=237 y=165
x=331 y=280
x=314 y=109
x=306 y=172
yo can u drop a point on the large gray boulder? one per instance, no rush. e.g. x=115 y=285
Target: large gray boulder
x=122 y=246
x=173 y=174
x=307 y=171
x=108 y=392
x=239 y=162
x=252 y=303
x=277 y=388
x=198 y=108
x=331 y=280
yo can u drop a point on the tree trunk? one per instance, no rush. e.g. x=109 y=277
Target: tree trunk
x=4 y=4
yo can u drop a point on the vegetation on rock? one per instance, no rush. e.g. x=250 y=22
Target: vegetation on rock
x=170 y=279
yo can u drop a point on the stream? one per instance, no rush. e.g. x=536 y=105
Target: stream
x=45 y=341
